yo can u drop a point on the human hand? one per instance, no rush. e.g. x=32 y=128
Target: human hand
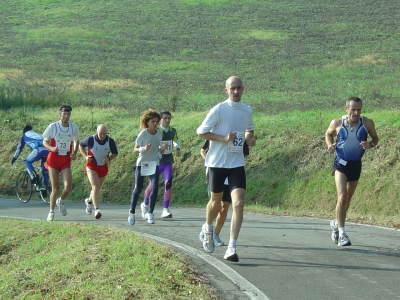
x=89 y=158
x=178 y=152
x=366 y=145
x=331 y=148
x=230 y=137
x=251 y=141
x=73 y=156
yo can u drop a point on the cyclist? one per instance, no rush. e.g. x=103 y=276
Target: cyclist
x=34 y=141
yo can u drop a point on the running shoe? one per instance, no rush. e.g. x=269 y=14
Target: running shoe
x=166 y=213
x=50 y=216
x=144 y=209
x=217 y=240
x=88 y=206
x=97 y=214
x=231 y=254
x=61 y=206
x=131 y=218
x=150 y=218
x=335 y=231
x=208 y=240
x=344 y=240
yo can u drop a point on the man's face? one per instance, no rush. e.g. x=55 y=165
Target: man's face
x=353 y=111
x=101 y=134
x=165 y=120
x=234 y=89
x=64 y=116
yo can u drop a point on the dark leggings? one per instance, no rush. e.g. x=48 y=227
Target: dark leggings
x=139 y=180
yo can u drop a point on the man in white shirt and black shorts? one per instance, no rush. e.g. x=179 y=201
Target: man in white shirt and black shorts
x=227 y=125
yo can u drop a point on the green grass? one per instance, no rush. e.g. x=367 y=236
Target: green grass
x=42 y=260
x=295 y=54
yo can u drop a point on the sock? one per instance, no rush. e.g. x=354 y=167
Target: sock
x=341 y=231
x=232 y=243
x=209 y=228
x=52 y=210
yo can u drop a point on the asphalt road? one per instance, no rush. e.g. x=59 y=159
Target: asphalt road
x=280 y=257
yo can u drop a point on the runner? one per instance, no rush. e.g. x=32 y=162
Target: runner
x=61 y=138
x=352 y=131
x=169 y=137
x=97 y=161
x=225 y=159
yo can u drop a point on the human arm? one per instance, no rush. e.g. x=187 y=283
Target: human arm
x=75 y=149
x=370 y=125
x=113 y=150
x=330 y=135
x=250 y=139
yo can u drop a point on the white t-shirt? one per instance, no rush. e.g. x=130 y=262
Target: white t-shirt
x=61 y=137
x=225 y=117
x=144 y=138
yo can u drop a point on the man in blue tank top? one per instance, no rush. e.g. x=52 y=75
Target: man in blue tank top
x=351 y=131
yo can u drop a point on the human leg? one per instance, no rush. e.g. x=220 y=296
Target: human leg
x=221 y=218
x=96 y=183
x=237 y=212
x=139 y=180
x=29 y=160
x=55 y=187
x=345 y=190
x=154 y=179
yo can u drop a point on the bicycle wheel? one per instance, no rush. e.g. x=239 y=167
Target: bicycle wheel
x=45 y=195
x=23 y=187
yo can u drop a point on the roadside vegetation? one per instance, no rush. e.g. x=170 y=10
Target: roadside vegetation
x=43 y=260
x=111 y=60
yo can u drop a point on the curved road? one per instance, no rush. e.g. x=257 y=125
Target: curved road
x=280 y=257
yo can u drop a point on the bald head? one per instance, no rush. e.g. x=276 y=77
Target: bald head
x=234 y=88
x=101 y=131
x=233 y=79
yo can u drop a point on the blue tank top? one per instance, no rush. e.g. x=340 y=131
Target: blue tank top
x=348 y=140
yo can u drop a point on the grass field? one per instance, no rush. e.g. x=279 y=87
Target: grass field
x=299 y=61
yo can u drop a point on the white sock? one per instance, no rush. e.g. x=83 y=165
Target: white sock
x=341 y=231
x=209 y=228
x=232 y=243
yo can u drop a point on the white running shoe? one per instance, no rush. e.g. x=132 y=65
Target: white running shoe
x=97 y=214
x=61 y=206
x=144 y=209
x=166 y=213
x=150 y=218
x=208 y=240
x=217 y=240
x=335 y=231
x=88 y=206
x=231 y=254
x=50 y=216
x=131 y=218
x=344 y=240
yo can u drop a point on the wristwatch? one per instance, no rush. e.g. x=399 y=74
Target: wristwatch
x=372 y=144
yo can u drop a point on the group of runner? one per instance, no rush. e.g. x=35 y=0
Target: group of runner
x=228 y=130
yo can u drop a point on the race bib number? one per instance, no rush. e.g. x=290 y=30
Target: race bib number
x=168 y=146
x=237 y=145
x=63 y=146
x=147 y=168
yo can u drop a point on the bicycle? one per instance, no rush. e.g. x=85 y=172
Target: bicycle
x=24 y=187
